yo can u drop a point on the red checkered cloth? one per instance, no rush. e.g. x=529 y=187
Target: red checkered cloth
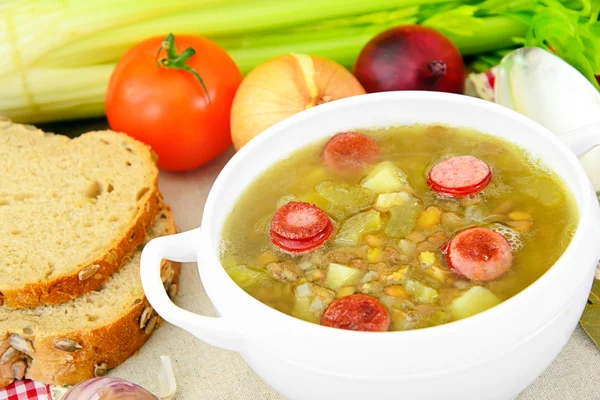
x=25 y=390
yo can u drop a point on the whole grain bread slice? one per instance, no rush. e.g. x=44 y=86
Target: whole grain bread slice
x=71 y=210
x=68 y=343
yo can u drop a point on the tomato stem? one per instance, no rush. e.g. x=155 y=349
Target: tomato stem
x=177 y=61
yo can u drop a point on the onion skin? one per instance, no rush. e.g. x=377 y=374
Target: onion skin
x=410 y=57
x=284 y=86
x=108 y=388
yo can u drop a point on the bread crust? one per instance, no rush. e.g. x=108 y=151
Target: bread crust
x=112 y=344
x=64 y=288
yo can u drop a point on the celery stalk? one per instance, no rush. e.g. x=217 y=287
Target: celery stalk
x=56 y=57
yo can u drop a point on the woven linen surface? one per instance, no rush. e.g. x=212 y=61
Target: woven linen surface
x=205 y=372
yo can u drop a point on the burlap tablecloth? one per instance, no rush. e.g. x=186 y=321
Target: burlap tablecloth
x=206 y=372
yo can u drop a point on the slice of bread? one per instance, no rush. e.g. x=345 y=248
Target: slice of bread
x=68 y=343
x=71 y=210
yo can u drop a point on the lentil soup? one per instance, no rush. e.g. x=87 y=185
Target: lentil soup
x=397 y=228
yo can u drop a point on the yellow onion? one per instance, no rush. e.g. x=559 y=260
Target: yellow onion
x=284 y=86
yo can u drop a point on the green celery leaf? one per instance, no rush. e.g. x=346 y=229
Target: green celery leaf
x=558 y=31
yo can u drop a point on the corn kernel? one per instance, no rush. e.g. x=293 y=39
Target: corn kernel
x=373 y=255
x=345 y=291
x=520 y=216
x=427 y=258
x=396 y=291
x=266 y=257
x=429 y=218
x=372 y=240
x=397 y=276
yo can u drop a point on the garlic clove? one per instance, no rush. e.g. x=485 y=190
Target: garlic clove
x=550 y=91
x=166 y=377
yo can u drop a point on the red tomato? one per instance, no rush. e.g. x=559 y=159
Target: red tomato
x=168 y=108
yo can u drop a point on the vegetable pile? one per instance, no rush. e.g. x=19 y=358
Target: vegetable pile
x=57 y=57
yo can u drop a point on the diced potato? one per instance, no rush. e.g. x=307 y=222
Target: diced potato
x=345 y=291
x=349 y=198
x=245 y=276
x=386 y=177
x=429 y=218
x=373 y=255
x=340 y=275
x=427 y=258
x=302 y=310
x=473 y=301
x=385 y=201
x=421 y=292
x=357 y=225
x=303 y=290
x=403 y=219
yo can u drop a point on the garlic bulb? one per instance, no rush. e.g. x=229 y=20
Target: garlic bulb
x=548 y=90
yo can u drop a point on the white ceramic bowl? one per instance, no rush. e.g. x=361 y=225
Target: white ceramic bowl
x=493 y=355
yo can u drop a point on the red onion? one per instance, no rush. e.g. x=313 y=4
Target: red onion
x=111 y=388
x=410 y=57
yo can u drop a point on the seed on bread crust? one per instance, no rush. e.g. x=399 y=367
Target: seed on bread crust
x=151 y=325
x=145 y=317
x=21 y=344
x=18 y=369
x=9 y=355
x=169 y=276
x=88 y=272
x=67 y=345
x=100 y=369
x=173 y=291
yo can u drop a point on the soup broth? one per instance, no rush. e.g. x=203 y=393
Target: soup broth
x=392 y=243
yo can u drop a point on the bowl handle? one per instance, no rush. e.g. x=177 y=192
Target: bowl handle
x=582 y=140
x=181 y=247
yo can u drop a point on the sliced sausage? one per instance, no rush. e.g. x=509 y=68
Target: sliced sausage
x=479 y=254
x=350 y=152
x=459 y=177
x=302 y=246
x=299 y=220
x=299 y=227
x=357 y=312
